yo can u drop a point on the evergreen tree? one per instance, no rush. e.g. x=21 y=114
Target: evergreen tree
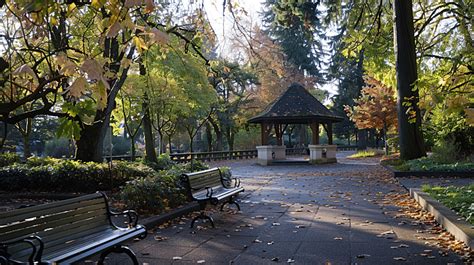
x=298 y=33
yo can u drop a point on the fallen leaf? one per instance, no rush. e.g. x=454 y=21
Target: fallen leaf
x=400 y=258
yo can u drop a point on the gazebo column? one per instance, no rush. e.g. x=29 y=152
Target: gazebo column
x=265 y=131
x=329 y=132
x=266 y=153
x=320 y=154
x=315 y=130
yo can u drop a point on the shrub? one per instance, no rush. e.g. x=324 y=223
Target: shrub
x=7 y=159
x=51 y=174
x=446 y=152
x=154 y=194
x=163 y=162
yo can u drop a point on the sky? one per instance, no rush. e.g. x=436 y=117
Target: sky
x=222 y=25
x=222 y=22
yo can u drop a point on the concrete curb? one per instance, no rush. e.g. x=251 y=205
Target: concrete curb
x=461 y=229
x=156 y=220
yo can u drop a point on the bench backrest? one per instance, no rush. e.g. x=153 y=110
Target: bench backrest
x=57 y=223
x=198 y=181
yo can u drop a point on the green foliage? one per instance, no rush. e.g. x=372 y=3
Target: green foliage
x=7 y=159
x=154 y=194
x=429 y=164
x=459 y=199
x=365 y=153
x=59 y=175
x=160 y=191
x=164 y=162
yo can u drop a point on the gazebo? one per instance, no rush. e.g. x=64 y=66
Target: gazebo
x=295 y=106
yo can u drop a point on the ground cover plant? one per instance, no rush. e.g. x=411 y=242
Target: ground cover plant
x=459 y=199
x=428 y=164
x=365 y=153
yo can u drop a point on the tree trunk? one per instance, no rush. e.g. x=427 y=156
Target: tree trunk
x=90 y=145
x=385 y=138
x=209 y=137
x=409 y=118
x=132 y=148
x=219 y=136
x=169 y=143
x=150 y=153
x=362 y=143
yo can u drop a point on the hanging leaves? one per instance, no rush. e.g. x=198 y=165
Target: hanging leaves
x=77 y=88
x=93 y=69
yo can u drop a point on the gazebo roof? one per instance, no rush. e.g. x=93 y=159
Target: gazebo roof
x=296 y=106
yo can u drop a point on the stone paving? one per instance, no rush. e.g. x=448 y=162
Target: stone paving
x=298 y=214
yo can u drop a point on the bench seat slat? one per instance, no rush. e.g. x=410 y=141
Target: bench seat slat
x=32 y=209
x=57 y=236
x=39 y=223
x=40 y=210
x=71 y=230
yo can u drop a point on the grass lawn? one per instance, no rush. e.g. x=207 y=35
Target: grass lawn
x=366 y=153
x=459 y=199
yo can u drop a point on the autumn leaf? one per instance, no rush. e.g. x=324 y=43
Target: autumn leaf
x=93 y=69
x=140 y=44
x=469 y=116
x=114 y=30
x=25 y=70
x=149 y=6
x=132 y=3
x=77 y=88
x=159 y=36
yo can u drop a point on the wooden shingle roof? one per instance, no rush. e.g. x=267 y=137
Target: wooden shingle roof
x=296 y=106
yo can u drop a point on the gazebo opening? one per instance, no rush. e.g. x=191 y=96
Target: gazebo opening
x=295 y=106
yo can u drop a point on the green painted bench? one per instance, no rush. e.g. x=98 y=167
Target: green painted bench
x=65 y=231
x=209 y=186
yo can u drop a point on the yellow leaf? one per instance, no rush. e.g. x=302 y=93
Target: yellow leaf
x=100 y=93
x=97 y=4
x=71 y=8
x=78 y=87
x=140 y=44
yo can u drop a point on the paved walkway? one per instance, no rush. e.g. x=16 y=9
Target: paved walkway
x=326 y=214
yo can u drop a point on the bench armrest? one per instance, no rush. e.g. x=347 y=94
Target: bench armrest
x=131 y=215
x=37 y=252
x=210 y=191
x=236 y=182
x=229 y=183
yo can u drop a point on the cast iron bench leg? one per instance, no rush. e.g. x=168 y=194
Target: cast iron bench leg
x=230 y=201
x=203 y=216
x=118 y=249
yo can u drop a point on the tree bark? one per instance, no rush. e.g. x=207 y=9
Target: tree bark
x=219 y=134
x=209 y=137
x=150 y=153
x=90 y=146
x=409 y=118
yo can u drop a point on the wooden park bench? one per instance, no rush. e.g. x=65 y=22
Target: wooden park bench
x=65 y=231
x=209 y=186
